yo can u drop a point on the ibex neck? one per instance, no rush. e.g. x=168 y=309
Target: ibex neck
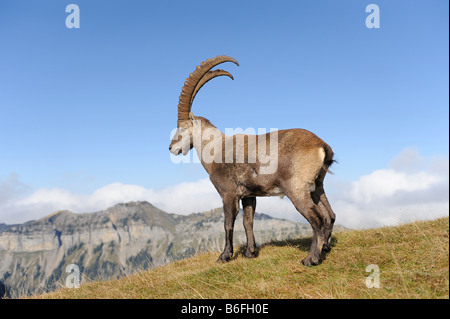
x=208 y=142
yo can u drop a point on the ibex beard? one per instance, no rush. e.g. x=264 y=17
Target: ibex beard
x=290 y=163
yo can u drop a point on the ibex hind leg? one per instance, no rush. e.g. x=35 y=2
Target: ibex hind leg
x=321 y=200
x=331 y=217
x=305 y=205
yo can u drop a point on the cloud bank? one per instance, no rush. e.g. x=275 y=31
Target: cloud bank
x=183 y=198
x=411 y=188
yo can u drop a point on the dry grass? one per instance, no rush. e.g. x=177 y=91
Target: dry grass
x=412 y=258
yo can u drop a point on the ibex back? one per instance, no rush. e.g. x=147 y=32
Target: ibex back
x=290 y=163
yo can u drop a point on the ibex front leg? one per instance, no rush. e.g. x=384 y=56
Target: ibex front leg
x=249 y=205
x=230 y=209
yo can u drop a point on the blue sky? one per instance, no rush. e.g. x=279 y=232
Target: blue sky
x=84 y=108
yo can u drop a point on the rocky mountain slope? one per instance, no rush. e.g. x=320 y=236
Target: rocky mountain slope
x=115 y=242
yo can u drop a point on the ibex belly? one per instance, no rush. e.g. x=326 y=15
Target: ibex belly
x=261 y=192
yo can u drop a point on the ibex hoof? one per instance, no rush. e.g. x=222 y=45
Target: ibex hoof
x=224 y=257
x=249 y=254
x=311 y=261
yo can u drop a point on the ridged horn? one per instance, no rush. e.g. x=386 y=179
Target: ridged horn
x=194 y=79
x=206 y=78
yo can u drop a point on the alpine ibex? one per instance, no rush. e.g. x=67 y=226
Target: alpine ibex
x=302 y=160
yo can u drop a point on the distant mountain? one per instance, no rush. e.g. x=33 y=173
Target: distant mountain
x=115 y=242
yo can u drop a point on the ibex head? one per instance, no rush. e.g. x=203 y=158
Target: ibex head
x=182 y=141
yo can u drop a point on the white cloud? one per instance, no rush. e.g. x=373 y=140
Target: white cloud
x=386 y=183
x=183 y=198
x=411 y=188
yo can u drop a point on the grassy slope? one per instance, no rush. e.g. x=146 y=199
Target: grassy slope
x=413 y=260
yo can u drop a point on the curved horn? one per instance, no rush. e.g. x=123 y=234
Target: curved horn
x=206 y=78
x=185 y=99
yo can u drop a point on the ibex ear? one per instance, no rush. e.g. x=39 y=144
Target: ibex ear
x=193 y=119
